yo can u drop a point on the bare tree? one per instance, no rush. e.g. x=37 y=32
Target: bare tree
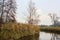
x=54 y=18
x=33 y=17
x=1 y=10
x=11 y=10
x=7 y=10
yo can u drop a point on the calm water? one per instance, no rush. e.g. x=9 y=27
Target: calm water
x=48 y=36
x=42 y=36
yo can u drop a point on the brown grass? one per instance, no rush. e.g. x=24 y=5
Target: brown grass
x=17 y=30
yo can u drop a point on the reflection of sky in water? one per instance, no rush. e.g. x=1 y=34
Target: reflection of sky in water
x=45 y=36
x=48 y=36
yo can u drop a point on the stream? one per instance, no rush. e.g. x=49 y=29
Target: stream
x=43 y=36
x=49 y=36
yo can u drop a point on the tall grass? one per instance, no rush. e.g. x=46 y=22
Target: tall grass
x=14 y=31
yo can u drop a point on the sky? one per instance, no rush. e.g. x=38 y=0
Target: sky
x=43 y=8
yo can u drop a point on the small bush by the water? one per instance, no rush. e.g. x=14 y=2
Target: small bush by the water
x=14 y=31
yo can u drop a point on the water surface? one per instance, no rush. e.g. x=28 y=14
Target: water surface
x=49 y=36
x=42 y=36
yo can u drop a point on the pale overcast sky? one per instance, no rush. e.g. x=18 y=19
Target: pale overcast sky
x=44 y=7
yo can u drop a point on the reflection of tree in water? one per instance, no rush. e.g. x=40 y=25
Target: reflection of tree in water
x=55 y=37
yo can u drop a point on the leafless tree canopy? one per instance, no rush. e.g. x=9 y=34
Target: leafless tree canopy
x=33 y=17
x=7 y=10
x=54 y=19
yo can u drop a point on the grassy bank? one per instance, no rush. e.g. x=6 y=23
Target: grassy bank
x=14 y=31
x=51 y=29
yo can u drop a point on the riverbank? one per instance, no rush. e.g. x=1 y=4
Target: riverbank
x=50 y=29
x=15 y=31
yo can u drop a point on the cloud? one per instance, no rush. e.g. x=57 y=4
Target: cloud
x=39 y=11
x=45 y=20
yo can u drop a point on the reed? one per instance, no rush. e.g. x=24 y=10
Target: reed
x=14 y=31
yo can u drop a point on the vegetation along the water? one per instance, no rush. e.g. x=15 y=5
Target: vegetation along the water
x=15 y=31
